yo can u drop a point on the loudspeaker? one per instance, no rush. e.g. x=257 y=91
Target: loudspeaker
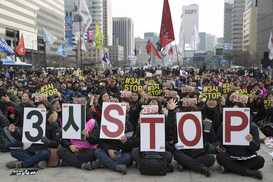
x=267 y=62
x=266 y=54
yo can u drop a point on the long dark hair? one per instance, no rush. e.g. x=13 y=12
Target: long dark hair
x=100 y=98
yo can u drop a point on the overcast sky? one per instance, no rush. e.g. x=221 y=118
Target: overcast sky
x=147 y=14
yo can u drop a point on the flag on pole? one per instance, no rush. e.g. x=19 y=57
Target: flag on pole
x=61 y=51
x=194 y=38
x=4 y=47
x=166 y=31
x=270 y=46
x=105 y=58
x=83 y=47
x=99 y=37
x=135 y=50
x=138 y=50
x=82 y=19
x=12 y=47
x=151 y=48
x=163 y=53
x=181 y=38
x=48 y=37
x=21 y=46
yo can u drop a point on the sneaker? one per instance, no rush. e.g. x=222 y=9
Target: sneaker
x=14 y=164
x=86 y=166
x=97 y=164
x=42 y=164
x=180 y=167
x=121 y=168
x=255 y=174
x=62 y=163
x=206 y=171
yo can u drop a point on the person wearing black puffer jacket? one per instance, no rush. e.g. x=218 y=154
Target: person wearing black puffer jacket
x=241 y=160
x=37 y=153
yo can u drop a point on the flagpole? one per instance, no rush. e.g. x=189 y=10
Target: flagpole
x=177 y=53
x=80 y=39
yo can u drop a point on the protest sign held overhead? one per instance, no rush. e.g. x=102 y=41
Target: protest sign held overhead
x=80 y=100
x=125 y=93
x=226 y=87
x=155 y=90
x=212 y=92
x=49 y=89
x=40 y=97
x=133 y=84
x=189 y=102
x=147 y=109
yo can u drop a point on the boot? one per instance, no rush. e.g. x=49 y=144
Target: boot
x=206 y=171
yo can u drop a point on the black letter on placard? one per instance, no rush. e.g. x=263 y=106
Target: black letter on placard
x=71 y=120
x=36 y=125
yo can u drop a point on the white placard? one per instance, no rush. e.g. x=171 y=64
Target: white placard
x=113 y=120
x=152 y=133
x=73 y=121
x=34 y=125
x=159 y=72
x=148 y=74
x=236 y=126
x=189 y=130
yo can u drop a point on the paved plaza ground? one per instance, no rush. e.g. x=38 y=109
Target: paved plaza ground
x=71 y=174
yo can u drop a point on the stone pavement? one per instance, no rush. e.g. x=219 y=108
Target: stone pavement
x=71 y=174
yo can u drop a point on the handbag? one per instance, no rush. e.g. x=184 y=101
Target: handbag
x=54 y=158
x=153 y=163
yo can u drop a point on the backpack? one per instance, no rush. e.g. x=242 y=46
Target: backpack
x=153 y=163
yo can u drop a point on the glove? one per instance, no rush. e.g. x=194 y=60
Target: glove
x=45 y=140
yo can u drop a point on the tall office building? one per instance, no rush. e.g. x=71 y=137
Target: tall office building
x=96 y=11
x=211 y=42
x=237 y=25
x=250 y=27
x=123 y=29
x=29 y=18
x=228 y=8
x=154 y=38
x=107 y=23
x=264 y=25
x=191 y=17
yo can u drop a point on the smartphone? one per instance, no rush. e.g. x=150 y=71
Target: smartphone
x=221 y=149
x=208 y=125
x=258 y=92
x=117 y=154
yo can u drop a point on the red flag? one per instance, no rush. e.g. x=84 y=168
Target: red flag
x=21 y=46
x=151 y=48
x=170 y=52
x=166 y=31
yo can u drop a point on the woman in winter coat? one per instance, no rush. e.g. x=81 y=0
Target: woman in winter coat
x=37 y=154
x=80 y=153
x=241 y=160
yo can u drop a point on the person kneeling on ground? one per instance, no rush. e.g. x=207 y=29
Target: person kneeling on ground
x=37 y=153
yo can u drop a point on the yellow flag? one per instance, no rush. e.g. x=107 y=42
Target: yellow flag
x=99 y=37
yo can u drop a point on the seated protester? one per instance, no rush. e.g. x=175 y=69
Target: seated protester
x=98 y=104
x=37 y=153
x=80 y=153
x=115 y=154
x=135 y=153
x=213 y=111
x=9 y=142
x=242 y=160
x=135 y=109
x=198 y=160
x=91 y=108
x=56 y=105
x=266 y=123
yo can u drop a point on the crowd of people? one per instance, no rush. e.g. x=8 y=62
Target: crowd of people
x=18 y=90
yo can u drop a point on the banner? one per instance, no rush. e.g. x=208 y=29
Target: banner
x=236 y=123
x=152 y=133
x=132 y=58
x=133 y=84
x=155 y=90
x=73 y=121
x=49 y=89
x=68 y=34
x=189 y=130
x=34 y=125
x=189 y=102
x=212 y=92
x=90 y=35
x=113 y=120
x=4 y=47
